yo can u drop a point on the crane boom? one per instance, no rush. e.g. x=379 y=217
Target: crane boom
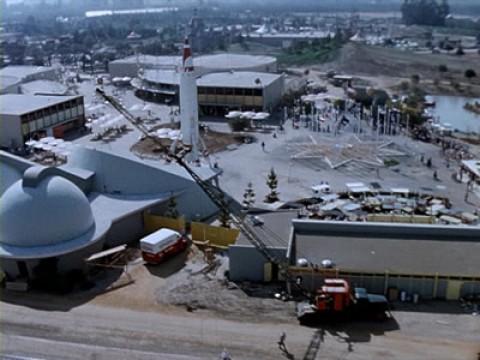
x=215 y=194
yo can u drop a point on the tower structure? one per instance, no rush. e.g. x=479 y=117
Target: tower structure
x=189 y=102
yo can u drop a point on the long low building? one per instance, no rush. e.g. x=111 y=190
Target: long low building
x=217 y=92
x=25 y=116
x=434 y=261
x=130 y=66
x=55 y=218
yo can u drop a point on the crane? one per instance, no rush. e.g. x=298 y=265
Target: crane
x=215 y=194
x=334 y=297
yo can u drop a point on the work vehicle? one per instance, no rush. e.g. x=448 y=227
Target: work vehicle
x=161 y=245
x=335 y=297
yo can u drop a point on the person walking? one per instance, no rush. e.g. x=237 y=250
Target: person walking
x=281 y=342
x=263 y=146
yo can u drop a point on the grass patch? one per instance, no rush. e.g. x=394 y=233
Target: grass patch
x=305 y=53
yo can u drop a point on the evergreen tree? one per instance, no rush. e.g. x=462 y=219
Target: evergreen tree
x=172 y=208
x=224 y=215
x=272 y=183
x=248 y=196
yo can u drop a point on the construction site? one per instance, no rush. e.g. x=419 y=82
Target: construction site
x=214 y=208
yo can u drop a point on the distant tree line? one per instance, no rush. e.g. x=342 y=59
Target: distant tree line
x=425 y=12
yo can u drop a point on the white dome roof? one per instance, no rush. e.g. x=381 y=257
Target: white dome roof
x=53 y=212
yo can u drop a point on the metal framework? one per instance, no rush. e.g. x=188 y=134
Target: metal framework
x=337 y=152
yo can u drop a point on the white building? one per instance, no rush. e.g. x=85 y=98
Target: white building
x=25 y=116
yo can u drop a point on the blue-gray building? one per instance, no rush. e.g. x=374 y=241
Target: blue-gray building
x=94 y=202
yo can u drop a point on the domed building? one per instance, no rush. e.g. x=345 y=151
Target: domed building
x=96 y=201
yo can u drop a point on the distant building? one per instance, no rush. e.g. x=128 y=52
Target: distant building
x=253 y=91
x=217 y=91
x=23 y=117
x=135 y=65
x=285 y=39
x=12 y=77
x=54 y=218
x=225 y=81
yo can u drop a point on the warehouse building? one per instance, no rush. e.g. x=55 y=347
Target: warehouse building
x=96 y=201
x=433 y=261
x=23 y=117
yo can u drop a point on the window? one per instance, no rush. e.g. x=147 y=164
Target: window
x=248 y=92
x=239 y=92
x=228 y=91
x=54 y=117
x=33 y=126
x=25 y=129
x=80 y=109
x=257 y=92
x=47 y=120
x=61 y=116
x=39 y=123
x=201 y=90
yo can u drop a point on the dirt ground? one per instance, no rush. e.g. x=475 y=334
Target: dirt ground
x=178 y=303
x=214 y=141
x=382 y=65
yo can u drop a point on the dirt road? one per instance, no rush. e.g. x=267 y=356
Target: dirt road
x=96 y=332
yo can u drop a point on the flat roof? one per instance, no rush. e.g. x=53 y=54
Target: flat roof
x=225 y=61
x=241 y=79
x=232 y=61
x=275 y=231
x=381 y=253
x=44 y=87
x=166 y=60
x=18 y=104
x=22 y=71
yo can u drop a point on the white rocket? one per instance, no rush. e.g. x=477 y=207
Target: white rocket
x=189 y=102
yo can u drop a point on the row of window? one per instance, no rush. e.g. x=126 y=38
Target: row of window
x=52 y=110
x=231 y=100
x=230 y=91
x=51 y=120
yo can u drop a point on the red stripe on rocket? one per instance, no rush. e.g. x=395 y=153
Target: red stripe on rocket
x=187 y=57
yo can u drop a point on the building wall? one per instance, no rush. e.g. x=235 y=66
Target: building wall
x=247 y=264
x=10 y=131
x=12 y=89
x=238 y=98
x=47 y=74
x=122 y=69
x=127 y=230
x=54 y=120
x=428 y=287
x=272 y=94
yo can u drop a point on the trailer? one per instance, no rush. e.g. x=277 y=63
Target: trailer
x=162 y=245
